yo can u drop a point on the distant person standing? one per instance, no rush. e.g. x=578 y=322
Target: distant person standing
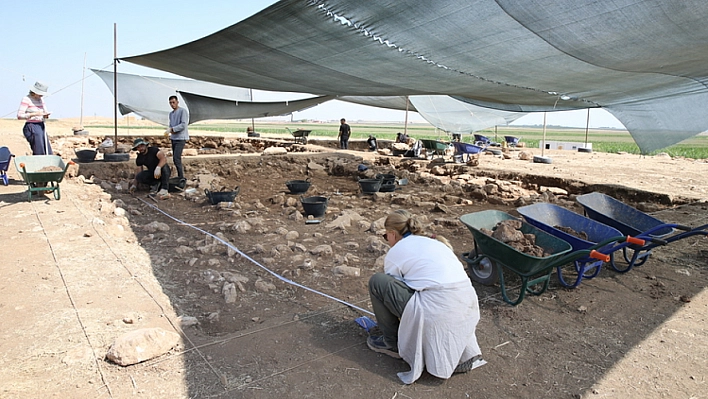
x=179 y=133
x=344 y=132
x=33 y=110
x=372 y=143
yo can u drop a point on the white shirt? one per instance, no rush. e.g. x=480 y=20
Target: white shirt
x=437 y=330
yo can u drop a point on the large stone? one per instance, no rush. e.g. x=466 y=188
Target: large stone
x=275 y=151
x=141 y=345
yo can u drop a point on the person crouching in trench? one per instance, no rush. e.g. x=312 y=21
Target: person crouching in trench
x=424 y=302
x=157 y=175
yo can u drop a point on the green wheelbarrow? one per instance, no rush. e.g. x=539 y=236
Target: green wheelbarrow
x=491 y=257
x=42 y=173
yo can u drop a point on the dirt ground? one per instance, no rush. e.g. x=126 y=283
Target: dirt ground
x=82 y=270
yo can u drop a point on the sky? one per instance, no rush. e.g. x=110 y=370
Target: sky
x=55 y=42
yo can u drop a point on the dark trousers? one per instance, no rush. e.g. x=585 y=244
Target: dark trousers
x=344 y=143
x=148 y=177
x=389 y=297
x=36 y=136
x=177 y=148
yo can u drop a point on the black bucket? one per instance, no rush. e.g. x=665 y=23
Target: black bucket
x=387 y=178
x=177 y=184
x=387 y=188
x=221 y=196
x=298 y=186
x=315 y=206
x=85 y=155
x=370 y=186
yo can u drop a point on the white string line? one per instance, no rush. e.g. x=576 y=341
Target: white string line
x=73 y=304
x=136 y=279
x=281 y=278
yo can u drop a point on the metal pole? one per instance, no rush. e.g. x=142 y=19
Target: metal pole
x=83 y=78
x=253 y=123
x=115 y=86
x=543 y=143
x=587 y=126
x=405 y=126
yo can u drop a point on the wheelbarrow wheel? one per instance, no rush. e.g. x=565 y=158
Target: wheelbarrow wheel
x=482 y=268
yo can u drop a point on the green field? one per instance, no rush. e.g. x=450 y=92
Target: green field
x=603 y=140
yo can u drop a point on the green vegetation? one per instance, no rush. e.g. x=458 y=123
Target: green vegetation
x=603 y=140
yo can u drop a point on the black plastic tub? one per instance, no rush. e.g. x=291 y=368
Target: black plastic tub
x=387 y=188
x=314 y=206
x=387 y=178
x=369 y=186
x=221 y=196
x=85 y=156
x=298 y=186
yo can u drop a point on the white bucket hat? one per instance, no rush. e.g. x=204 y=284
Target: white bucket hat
x=39 y=88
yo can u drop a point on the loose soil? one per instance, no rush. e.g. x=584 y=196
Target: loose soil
x=84 y=269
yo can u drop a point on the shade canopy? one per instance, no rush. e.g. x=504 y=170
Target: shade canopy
x=642 y=60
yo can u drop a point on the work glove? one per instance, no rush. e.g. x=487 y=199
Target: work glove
x=158 y=172
x=168 y=131
x=132 y=188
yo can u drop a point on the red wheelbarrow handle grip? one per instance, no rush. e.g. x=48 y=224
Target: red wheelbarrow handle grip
x=599 y=255
x=635 y=240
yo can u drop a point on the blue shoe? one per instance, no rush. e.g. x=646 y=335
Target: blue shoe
x=377 y=344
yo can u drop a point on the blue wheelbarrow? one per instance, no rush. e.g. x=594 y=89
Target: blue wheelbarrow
x=5 y=156
x=631 y=221
x=581 y=233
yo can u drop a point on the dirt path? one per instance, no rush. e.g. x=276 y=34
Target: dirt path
x=77 y=275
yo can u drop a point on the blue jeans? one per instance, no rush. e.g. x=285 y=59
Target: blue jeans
x=344 y=143
x=177 y=148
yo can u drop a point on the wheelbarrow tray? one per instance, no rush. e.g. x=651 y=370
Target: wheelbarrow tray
x=301 y=133
x=628 y=220
x=466 y=148
x=547 y=216
x=29 y=167
x=520 y=263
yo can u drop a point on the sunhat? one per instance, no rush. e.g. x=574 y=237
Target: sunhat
x=39 y=88
x=138 y=142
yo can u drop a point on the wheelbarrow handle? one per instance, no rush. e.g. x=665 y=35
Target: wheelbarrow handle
x=635 y=240
x=599 y=255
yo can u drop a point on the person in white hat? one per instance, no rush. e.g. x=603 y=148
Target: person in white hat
x=33 y=110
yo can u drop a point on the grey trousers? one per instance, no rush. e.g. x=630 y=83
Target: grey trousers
x=389 y=297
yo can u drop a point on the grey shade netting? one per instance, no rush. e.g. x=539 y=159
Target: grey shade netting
x=148 y=96
x=459 y=117
x=632 y=57
x=203 y=108
x=145 y=96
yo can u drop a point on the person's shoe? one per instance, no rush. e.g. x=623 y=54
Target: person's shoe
x=471 y=364
x=377 y=344
x=154 y=189
x=162 y=195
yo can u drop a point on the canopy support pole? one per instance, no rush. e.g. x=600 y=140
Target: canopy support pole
x=543 y=142
x=115 y=86
x=253 y=121
x=405 y=125
x=587 y=127
x=83 y=78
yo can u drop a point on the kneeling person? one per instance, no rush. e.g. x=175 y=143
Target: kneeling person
x=157 y=173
